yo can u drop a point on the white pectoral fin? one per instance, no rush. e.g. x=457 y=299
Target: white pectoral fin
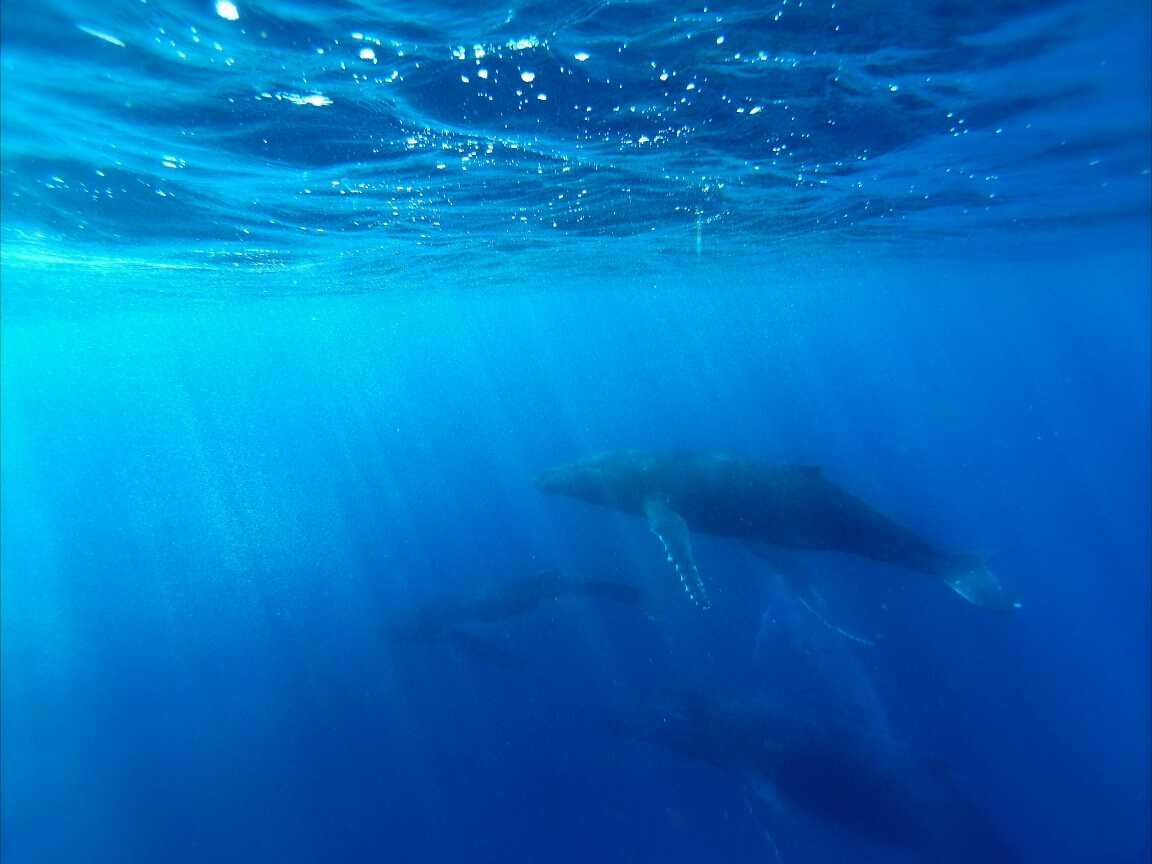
x=770 y=812
x=672 y=530
x=969 y=576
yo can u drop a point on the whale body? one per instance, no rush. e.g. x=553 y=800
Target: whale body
x=791 y=506
x=805 y=773
x=443 y=620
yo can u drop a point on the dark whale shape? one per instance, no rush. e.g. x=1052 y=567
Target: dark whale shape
x=792 y=506
x=482 y=649
x=440 y=620
x=802 y=770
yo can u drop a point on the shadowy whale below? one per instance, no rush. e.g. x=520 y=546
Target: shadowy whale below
x=441 y=620
x=792 y=506
x=809 y=776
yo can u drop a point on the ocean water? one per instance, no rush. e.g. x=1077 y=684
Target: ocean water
x=297 y=300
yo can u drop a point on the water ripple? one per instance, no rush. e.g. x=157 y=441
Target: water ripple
x=440 y=123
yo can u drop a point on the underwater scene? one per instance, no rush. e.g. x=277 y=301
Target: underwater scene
x=598 y=431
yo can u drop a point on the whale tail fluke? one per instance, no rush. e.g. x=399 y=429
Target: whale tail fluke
x=969 y=576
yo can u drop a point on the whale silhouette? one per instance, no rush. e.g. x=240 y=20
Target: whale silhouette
x=441 y=620
x=792 y=506
x=808 y=775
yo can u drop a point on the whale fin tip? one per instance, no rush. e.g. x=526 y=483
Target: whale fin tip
x=971 y=579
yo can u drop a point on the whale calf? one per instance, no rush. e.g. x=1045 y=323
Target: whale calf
x=792 y=506
x=441 y=620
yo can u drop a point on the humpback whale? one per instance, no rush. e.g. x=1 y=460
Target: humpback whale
x=440 y=620
x=792 y=506
x=821 y=766
x=812 y=779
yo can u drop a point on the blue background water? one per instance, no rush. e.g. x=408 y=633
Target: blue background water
x=249 y=421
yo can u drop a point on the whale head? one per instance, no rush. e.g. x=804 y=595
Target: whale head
x=609 y=479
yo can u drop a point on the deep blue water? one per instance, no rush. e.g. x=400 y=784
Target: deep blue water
x=294 y=307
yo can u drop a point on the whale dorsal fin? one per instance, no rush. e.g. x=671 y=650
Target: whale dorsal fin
x=672 y=530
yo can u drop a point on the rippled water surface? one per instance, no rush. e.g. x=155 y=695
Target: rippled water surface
x=168 y=125
x=298 y=298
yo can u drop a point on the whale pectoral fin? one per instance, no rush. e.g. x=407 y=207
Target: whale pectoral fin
x=672 y=530
x=770 y=812
x=969 y=576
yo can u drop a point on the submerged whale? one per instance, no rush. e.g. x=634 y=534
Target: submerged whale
x=809 y=776
x=792 y=506
x=441 y=620
x=821 y=765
